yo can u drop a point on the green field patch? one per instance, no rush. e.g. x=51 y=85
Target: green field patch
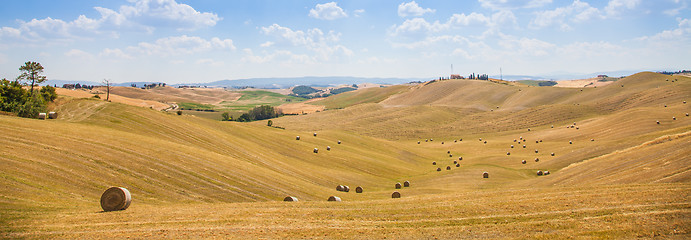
x=195 y=106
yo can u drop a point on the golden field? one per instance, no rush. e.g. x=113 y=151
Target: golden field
x=615 y=174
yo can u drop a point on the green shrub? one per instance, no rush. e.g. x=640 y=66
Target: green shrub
x=179 y=112
x=32 y=107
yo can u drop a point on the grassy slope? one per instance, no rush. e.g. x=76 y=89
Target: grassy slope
x=188 y=173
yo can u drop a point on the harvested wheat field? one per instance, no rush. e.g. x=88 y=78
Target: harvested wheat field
x=192 y=177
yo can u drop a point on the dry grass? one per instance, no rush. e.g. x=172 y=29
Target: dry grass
x=191 y=177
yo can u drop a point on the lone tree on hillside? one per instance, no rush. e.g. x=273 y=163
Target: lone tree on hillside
x=31 y=71
x=107 y=83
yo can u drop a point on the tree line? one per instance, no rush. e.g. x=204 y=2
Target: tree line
x=16 y=99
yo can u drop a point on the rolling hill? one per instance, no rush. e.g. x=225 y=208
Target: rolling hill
x=615 y=172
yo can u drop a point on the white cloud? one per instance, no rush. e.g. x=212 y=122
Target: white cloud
x=575 y=13
x=209 y=61
x=614 y=7
x=417 y=26
x=359 y=12
x=76 y=53
x=144 y=15
x=117 y=53
x=323 y=47
x=514 y=4
x=327 y=11
x=681 y=33
x=267 y=44
x=412 y=9
x=180 y=45
x=420 y=26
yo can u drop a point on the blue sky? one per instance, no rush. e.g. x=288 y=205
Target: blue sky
x=186 y=41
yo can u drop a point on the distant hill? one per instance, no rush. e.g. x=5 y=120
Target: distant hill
x=308 y=81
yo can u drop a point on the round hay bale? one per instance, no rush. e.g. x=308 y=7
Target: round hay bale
x=42 y=116
x=315 y=134
x=406 y=184
x=398 y=185
x=528 y=129
x=578 y=128
x=434 y=163
x=480 y=139
x=418 y=142
x=536 y=151
x=455 y=140
x=458 y=165
x=658 y=122
x=460 y=140
x=514 y=140
x=570 y=142
x=450 y=155
x=297 y=137
x=687 y=114
x=334 y=199
x=684 y=102
x=460 y=158
x=290 y=199
x=552 y=154
x=358 y=189
x=442 y=142
x=485 y=175
x=316 y=150
x=539 y=173
x=115 y=199
x=537 y=159
x=523 y=161
x=455 y=162
x=540 y=140
x=340 y=188
x=328 y=148
x=438 y=169
x=511 y=146
x=431 y=140
x=592 y=140
x=426 y=140
x=536 y=141
x=524 y=146
x=339 y=142
x=552 y=126
x=346 y=188
x=546 y=172
x=508 y=153
x=448 y=151
x=52 y=115
x=448 y=167
x=485 y=142
x=674 y=118
x=396 y=195
x=665 y=105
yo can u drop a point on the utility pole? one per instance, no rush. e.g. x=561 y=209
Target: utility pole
x=501 y=76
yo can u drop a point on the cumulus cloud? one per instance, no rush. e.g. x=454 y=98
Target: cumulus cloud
x=140 y=15
x=562 y=17
x=327 y=11
x=515 y=4
x=181 y=45
x=420 y=26
x=412 y=9
x=115 y=53
x=359 y=12
x=76 y=53
x=322 y=46
x=615 y=7
x=681 y=33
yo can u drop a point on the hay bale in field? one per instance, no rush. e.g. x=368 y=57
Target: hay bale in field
x=458 y=165
x=537 y=159
x=552 y=154
x=674 y=118
x=346 y=188
x=460 y=158
x=438 y=169
x=328 y=148
x=334 y=199
x=460 y=140
x=592 y=140
x=570 y=142
x=485 y=175
x=485 y=142
x=431 y=140
x=684 y=102
x=442 y=142
x=514 y=140
x=52 y=115
x=426 y=140
x=577 y=128
x=687 y=114
x=42 y=116
x=396 y=195
x=508 y=153
x=434 y=163
x=450 y=155
x=340 y=188
x=523 y=161
x=398 y=185
x=316 y=150
x=665 y=105
x=524 y=146
x=406 y=184
x=418 y=142
x=339 y=142
x=536 y=151
x=297 y=137
x=448 y=167
x=658 y=122
x=115 y=199
x=528 y=129
x=511 y=146
x=449 y=151
x=455 y=140
x=552 y=126
x=480 y=139
x=455 y=162
x=358 y=189
x=290 y=199
x=546 y=172
x=315 y=134
x=539 y=173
